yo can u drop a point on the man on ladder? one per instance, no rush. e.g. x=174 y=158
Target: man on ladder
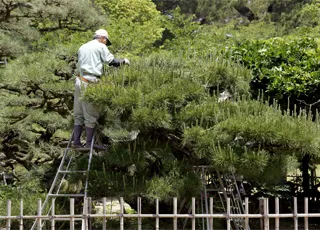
x=91 y=57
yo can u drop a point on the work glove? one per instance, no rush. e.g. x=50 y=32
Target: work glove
x=126 y=61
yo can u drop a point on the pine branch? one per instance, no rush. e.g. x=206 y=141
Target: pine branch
x=176 y=144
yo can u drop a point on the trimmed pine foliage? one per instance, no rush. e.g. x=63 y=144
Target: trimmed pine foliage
x=174 y=104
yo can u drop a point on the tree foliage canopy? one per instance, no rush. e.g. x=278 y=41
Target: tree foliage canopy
x=134 y=26
x=185 y=114
x=25 y=21
x=166 y=112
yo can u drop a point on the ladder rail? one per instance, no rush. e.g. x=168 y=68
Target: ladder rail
x=55 y=179
x=64 y=172
x=64 y=175
x=85 y=221
x=226 y=186
x=59 y=187
x=234 y=207
x=88 y=169
x=236 y=201
x=238 y=192
x=219 y=194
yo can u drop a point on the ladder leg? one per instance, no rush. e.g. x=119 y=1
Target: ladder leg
x=88 y=169
x=85 y=221
x=55 y=179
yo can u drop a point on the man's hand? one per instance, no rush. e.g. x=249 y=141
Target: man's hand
x=126 y=61
x=116 y=62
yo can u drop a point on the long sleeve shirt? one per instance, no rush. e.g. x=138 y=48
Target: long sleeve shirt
x=92 y=56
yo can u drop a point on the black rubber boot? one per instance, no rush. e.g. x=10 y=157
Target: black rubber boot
x=90 y=133
x=76 y=136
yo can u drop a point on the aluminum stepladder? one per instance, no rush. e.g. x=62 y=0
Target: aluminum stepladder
x=225 y=185
x=232 y=188
x=228 y=186
x=63 y=170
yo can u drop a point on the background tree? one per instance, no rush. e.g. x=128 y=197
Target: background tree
x=36 y=87
x=172 y=102
x=23 y=22
x=134 y=26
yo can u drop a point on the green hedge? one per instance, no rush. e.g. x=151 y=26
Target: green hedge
x=281 y=66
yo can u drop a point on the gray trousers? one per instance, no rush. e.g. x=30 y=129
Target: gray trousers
x=85 y=113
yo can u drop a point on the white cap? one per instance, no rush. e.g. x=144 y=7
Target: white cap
x=102 y=33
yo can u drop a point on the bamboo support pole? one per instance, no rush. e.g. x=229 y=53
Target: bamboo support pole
x=306 y=210
x=121 y=214
x=157 y=214
x=53 y=206
x=175 y=212
x=265 y=213
x=246 y=220
x=72 y=213
x=193 y=213
x=104 y=211
x=8 y=224
x=211 y=212
x=228 y=214
x=139 y=212
x=39 y=214
x=277 y=220
x=295 y=213
x=21 y=215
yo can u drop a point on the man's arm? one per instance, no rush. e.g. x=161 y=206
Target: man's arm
x=119 y=61
x=108 y=57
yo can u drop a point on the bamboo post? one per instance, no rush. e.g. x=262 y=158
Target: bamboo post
x=201 y=206
x=139 y=213
x=246 y=220
x=21 y=215
x=53 y=205
x=157 y=213
x=175 y=211
x=295 y=213
x=121 y=214
x=205 y=196
x=193 y=213
x=277 y=219
x=85 y=214
x=211 y=212
x=104 y=212
x=266 y=213
x=71 y=213
x=228 y=214
x=261 y=210
x=8 y=224
x=39 y=214
x=89 y=212
x=306 y=211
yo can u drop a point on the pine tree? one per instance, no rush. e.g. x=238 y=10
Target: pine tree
x=173 y=102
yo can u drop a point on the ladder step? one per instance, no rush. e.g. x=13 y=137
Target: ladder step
x=66 y=195
x=63 y=143
x=75 y=171
x=80 y=149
